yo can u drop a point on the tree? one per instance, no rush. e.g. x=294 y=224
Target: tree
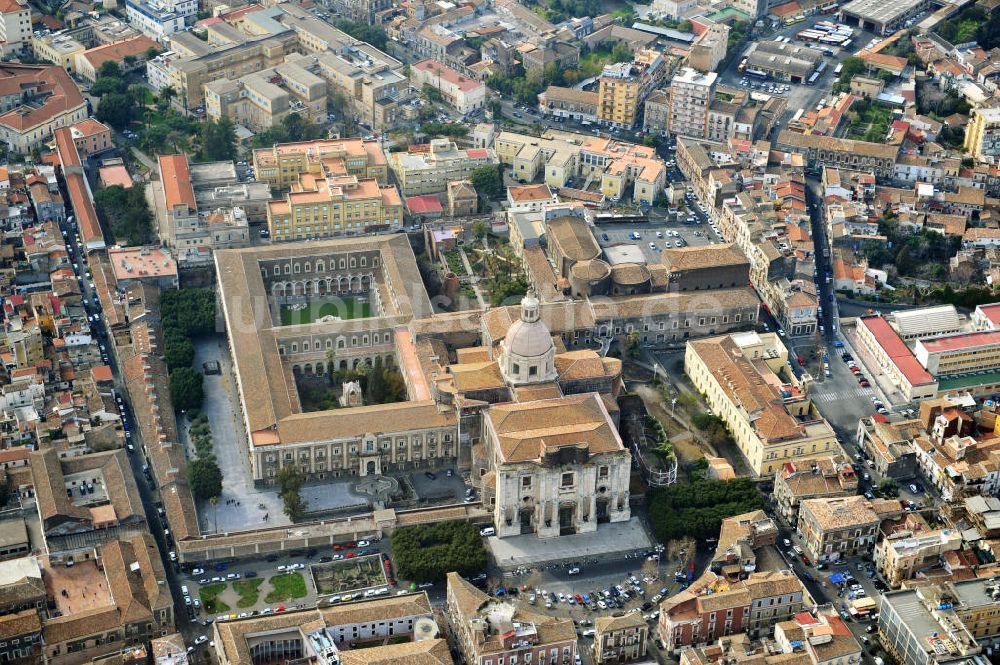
x=177 y=348
x=290 y=481
x=331 y=364
x=110 y=69
x=488 y=181
x=696 y=509
x=186 y=390
x=115 y=109
x=218 y=140
x=125 y=212
x=428 y=552
x=152 y=52
x=129 y=60
x=372 y=34
x=204 y=477
x=376 y=384
x=432 y=93
x=479 y=230
x=108 y=85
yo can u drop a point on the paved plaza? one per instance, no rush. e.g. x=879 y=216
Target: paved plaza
x=610 y=541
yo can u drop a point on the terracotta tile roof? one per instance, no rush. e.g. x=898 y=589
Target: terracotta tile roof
x=175 y=176
x=528 y=431
x=62 y=94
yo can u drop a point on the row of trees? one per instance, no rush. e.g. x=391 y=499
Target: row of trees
x=697 y=509
x=452 y=129
x=204 y=474
x=290 y=482
x=126 y=214
x=185 y=314
x=428 y=552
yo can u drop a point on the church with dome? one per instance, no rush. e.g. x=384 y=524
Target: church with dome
x=546 y=453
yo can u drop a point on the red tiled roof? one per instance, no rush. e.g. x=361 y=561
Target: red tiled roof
x=477 y=153
x=117 y=51
x=445 y=72
x=63 y=95
x=962 y=341
x=894 y=347
x=176 y=178
x=786 y=9
x=426 y=203
x=76 y=185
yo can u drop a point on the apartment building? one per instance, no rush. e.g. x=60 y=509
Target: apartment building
x=122 y=584
x=374 y=83
x=462 y=93
x=889 y=445
x=919 y=627
x=709 y=48
x=59 y=48
x=428 y=168
x=901 y=555
x=263 y=99
x=160 y=18
x=839 y=527
x=579 y=105
x=691 y=94
x=15 y=27
x=281 y=165
x=36 y=100
x=620 y=639
x=188 y=74
x=193 y=234
x=623 y=87
x=713 y=607
x=656 y=113
x=560 y=157
x=819 y=477
x=982 y=135
x=91 y=137
x=746 y=380
x=489 y=630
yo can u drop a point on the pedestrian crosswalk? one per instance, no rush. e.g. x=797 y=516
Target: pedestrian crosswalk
x=851 y=393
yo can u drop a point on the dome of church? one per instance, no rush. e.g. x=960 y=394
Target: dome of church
x=528 y=337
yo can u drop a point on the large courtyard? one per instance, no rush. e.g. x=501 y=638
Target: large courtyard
x=314 y=310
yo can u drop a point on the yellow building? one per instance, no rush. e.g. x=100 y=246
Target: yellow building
x=263 y=99
x=334 y=205
x=746 y=380
x=58 y=48
x=901 y=555
x=563 y=156
x=281 y=165
x=623 y=87
x=982 y=136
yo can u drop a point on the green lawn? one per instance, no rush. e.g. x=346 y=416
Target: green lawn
x=248 y=592
x=286 y=587
x=350 y=308
x=209 y=600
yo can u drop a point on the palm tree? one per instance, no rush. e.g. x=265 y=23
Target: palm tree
x=331 y=356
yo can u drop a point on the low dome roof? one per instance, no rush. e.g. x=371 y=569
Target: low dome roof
x=528 y=339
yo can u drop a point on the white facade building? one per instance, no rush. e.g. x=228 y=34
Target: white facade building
x=159 y=18
x=15 y=26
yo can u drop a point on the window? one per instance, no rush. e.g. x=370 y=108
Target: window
x=567 y=480
x=526 y=482
x=533 y=370
x=517 y=368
